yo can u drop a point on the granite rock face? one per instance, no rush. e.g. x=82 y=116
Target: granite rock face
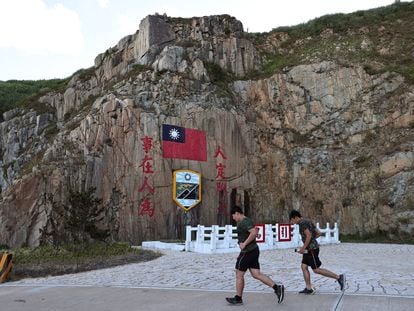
x=330 y=140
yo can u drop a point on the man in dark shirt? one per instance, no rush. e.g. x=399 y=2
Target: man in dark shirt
x=310 y=251
x=248 y=258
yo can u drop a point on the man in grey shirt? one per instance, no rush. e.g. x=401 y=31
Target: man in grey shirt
x=310 y=251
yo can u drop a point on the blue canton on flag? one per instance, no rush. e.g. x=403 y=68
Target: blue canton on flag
x=173 y=133
x=183 y=143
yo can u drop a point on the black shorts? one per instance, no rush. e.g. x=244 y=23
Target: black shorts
x=312 y=258
x=248 y=260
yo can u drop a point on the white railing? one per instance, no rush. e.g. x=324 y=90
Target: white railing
x=215 y=239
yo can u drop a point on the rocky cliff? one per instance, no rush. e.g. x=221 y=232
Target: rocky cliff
x=327 y=135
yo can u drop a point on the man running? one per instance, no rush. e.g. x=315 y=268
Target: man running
x=249 y=258
x=310 y=251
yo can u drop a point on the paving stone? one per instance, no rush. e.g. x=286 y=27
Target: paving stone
x=382 y=269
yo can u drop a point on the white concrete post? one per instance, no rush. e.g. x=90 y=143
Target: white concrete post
x=268 y=235
x=214 y=236
x=273 y=235
x=320 y=239
x=328 y=233
x=200 y=235
x=187 y=238
x=227 y=236
x=336 y=233
x=296 y=235
x=276 y=233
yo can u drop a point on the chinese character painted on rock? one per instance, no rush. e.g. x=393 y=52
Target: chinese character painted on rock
x=219 y=152
x=146 y=209
x=221 y=187
x=146 y=165
x=222 y=209
x=146 y=185
x=147 y=143
x=220 y=171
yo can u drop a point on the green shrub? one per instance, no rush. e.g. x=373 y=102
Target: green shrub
x=85 y=74
x=25 y=93
x=276 y=62
x=51 y=131
x=340 y=23
x=136 y=69
x=217 y=74
x=75 y=220
x=220 y=77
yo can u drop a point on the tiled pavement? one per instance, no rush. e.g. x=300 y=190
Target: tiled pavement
x=371 y=269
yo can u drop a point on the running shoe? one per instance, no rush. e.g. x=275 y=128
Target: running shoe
x=234 y=300
x=280 y=293
x=307 y=291
x=341 y=282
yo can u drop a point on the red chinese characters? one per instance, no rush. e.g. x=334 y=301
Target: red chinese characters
x=221 y=184
x=146 y=185
x=146 y=206
x=220 y=152
x=146 y=144
x=220 y=171
x=146 y=209
x=147 y=165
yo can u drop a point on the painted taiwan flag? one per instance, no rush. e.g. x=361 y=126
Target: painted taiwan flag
x=183 y=143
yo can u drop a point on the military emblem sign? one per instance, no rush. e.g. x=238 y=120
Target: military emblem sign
x=186 y=188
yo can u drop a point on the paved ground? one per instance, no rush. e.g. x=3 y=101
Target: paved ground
x=379 y=277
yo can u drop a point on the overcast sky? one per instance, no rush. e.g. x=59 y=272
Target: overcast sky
x=45 y=39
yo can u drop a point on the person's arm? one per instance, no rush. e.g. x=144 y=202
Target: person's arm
x=250 y=238
x=308 y=238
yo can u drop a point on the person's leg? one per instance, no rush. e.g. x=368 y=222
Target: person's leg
x=261 y=277
x=326 y=272
x=306 y=275
x=316 y=266
x=279 y=289
x=240 y=282
x=236 y=300
x=241 y=268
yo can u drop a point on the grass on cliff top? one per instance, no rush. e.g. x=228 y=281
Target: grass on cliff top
x=341 y=23
x=380 y=40
x=72 y=258
x=25 y=93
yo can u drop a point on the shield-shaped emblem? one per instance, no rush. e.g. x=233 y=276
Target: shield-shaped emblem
x=186 y=188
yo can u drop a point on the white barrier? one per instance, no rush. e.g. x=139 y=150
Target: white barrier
x=217 y=239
